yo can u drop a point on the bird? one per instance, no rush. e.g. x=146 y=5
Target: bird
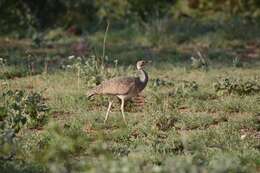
x=122 y=87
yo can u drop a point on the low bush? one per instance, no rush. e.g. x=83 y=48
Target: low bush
x=22 y=108
x=199 y=62
x=18 y=110
x=92 y=70
x=226 y=86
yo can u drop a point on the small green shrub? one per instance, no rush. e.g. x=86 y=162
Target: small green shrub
x=160 y=82
x=165 y=123
x=12 y=72
x=226 y=86
x=91 y=69
x=20 y=108
x=2 y=62
x=186 y=87
x=237 y=62
x=200 y=62
x=194 y=121
x=182 y=87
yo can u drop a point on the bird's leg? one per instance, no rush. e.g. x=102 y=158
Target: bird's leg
x=108 y=110
x=122 y=109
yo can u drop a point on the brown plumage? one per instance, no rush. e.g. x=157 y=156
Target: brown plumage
x=122 y=87
x=118 y=86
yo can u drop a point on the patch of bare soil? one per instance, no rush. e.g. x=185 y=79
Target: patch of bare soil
x=60 y=114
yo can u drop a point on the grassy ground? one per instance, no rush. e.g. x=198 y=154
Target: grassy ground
x=185 y=125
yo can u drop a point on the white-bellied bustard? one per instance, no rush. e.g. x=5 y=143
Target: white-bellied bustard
x=122 y=87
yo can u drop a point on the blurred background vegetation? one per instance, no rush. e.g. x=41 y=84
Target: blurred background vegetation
x=24 y=16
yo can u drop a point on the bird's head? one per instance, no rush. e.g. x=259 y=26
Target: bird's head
x=140 y=64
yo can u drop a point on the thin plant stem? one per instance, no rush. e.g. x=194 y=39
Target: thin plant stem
x=78 y=75
x=104 y=41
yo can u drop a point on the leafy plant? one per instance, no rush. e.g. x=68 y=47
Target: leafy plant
x=186 y=87
x=91 y=69
x=19 y=109
x=200 y=62
x=237 y=62
x=29 y=107
x=2 y=62
x=181 y=87
x=160 y=82
x=165 y=122
x=236 y=86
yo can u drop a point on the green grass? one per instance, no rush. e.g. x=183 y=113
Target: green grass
x=192 y=130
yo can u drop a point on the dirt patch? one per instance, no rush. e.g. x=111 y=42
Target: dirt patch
x=60 y=114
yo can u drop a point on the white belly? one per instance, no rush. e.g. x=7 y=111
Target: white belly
x=125 y=97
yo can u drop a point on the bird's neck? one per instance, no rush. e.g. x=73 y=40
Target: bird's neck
x=143 y=77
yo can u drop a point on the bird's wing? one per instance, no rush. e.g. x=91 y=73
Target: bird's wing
x=118 y=86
